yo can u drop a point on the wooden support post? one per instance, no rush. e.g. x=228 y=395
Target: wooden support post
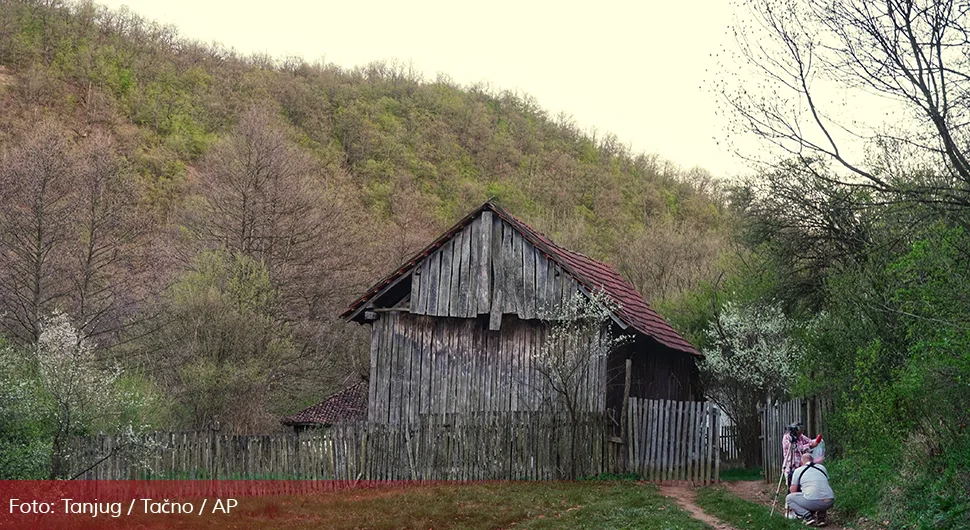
x=624 y=419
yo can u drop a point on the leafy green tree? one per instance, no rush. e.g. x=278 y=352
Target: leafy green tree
x=223 y=348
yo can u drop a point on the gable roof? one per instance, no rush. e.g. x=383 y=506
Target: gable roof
x=591 y=274
x=350 y=404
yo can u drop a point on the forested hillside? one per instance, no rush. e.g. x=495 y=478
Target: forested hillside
x=200 y=218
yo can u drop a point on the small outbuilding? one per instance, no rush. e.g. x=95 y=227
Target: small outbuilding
x=347 y=406
x=457 y=328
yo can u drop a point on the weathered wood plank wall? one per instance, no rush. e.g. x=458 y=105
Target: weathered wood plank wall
x=488 y=268
x=424 y=365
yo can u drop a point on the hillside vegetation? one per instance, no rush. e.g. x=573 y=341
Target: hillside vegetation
x=201 y=218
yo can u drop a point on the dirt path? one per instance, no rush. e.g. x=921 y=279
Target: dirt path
x=752 y=490
x=684 y=497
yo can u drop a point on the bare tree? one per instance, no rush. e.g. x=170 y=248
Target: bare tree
x=266 y=198
x=36 y=216
x=72 y=236
x=573 y=355
x=670 y=257
x=909 y=54
x=411 y=225
x=111 y=261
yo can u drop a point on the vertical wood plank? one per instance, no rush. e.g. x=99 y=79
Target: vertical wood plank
x=515 y=368
x=685 y=446
x=387 y=368
x=474 y=266
x=712 y=435
x=509 y=267
x=411 y=334
x=484 y=242
x=415 y=296
x=433 y=280
x=517 y=285
x=372 y=380
x=468 y=277
x=667 y=428
x=542 y=288
x=444 y=284
x=419 y=289
x=397 y=367
x=689 y=442
x=497 y=276
x=455 y=308
x=528 y=280
x=444 y=354
x=423 y=346
x=697 y=430
x=555 y=294
x=717 y=449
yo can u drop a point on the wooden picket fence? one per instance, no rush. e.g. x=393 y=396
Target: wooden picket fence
x=668 y=441
x=775 y=419
x=505 y=446
x=674 y=441
x=730 y=444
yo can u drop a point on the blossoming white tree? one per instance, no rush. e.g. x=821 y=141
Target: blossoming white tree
x=750 y=359
x=85 y=394
x=579 y=340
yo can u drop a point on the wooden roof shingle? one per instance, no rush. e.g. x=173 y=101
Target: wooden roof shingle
x=350 y=404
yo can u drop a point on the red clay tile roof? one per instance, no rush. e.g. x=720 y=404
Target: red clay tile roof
x=350 y=404
x=591 y=274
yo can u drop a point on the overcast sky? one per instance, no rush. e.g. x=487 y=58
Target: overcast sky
x=641 y=70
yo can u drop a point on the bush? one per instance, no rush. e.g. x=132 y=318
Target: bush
x=25 y=419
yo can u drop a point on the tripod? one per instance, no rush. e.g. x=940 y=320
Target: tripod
x=793 y=442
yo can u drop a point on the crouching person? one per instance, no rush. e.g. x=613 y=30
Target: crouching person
x=811 y=496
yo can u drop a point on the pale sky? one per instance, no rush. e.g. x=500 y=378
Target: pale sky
x=641 y=70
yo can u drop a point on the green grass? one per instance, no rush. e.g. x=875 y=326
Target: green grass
x=532 y=505
x=740 y=513
x=741 y=473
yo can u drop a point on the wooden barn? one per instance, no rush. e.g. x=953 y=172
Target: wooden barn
x=456 y=329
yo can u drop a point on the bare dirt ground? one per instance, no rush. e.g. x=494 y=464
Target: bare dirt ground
x=752 y=490
x=684 y=497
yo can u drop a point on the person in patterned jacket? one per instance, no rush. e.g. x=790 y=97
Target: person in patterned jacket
x=793 y=445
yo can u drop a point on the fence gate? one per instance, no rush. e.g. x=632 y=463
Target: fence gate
x=775 y=419
x=673 y=441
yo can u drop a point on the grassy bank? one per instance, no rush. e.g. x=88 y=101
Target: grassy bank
x=739 y=513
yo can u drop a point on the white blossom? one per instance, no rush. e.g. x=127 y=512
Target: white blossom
x=578 y=339
x=752 y=346
x=70 y=371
